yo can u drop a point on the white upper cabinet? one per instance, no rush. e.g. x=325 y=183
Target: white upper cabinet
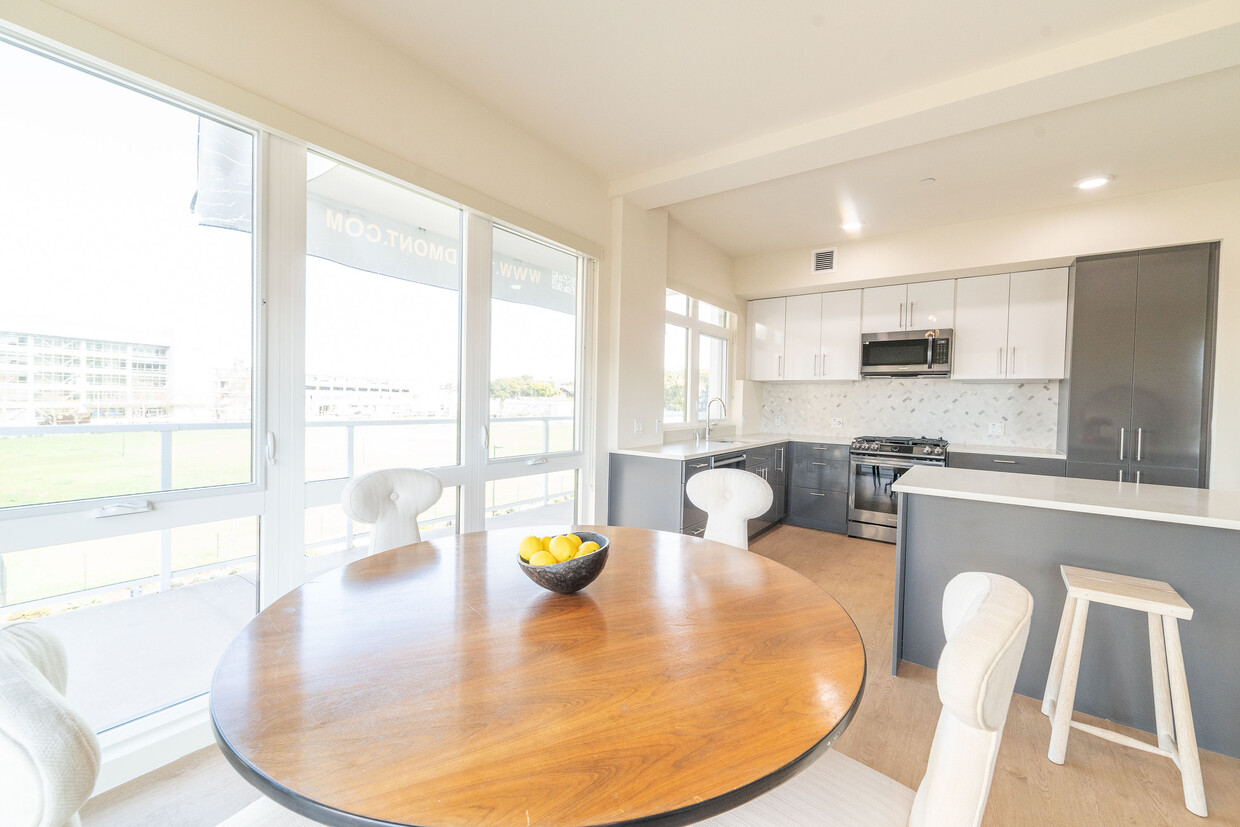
x=1011 y=327
x=1038 y=324
x=918 y=306
x=931 y=304
x=882 y=308
x=803 y=337
x=841 y=335
x=806 y=338
x=766 y=339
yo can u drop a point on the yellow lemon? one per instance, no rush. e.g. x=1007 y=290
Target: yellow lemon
x=528 y=546
x=586 y=548
x=542 y=558
x=574 y=539
x=563 y=548
x=546 y=543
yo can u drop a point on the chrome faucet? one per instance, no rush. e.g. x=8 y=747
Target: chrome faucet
x=708 y=422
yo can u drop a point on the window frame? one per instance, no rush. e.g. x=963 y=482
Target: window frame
x=696 y=329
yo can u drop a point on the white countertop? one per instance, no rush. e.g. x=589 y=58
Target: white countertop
x=1004 y=450
x=693 y=450
x=1165 y=503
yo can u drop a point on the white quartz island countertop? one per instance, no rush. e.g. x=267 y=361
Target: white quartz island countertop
x=1165 y=503
x=701 y=448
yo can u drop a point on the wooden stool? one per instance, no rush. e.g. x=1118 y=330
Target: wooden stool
x=1176 y=737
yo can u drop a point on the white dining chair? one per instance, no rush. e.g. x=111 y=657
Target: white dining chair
x=731 y=498
x=986 y=620
x=391 y=499
x=49 y=755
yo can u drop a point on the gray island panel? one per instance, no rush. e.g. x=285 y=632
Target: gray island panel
x=941 y=536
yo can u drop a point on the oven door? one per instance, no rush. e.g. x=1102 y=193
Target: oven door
x=870 y=498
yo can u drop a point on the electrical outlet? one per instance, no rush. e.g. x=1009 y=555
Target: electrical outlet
x=996 y=429
x=779 y=422
x=658 y=427
x=836 y=422
x=639 y=425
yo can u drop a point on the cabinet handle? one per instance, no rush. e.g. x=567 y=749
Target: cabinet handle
x=1138 y=478
x=816 y=494
x=779 y=466
x=910 y=315
x=820 y=447
x=999 y=363
x=820 y=463
x=699 y=465
x=779 y=365
x=1122 y=440
x=824 y=366
x=1139 y=451
x=1121 y=475
x=901 y=326
x=815 y=364
x=1005 y=461
x=1012 y=361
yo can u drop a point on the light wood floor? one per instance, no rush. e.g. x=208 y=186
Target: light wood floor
x=1100 y=784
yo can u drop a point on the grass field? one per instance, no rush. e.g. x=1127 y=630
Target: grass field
x=59 y=467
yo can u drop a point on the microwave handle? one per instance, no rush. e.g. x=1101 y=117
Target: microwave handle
x=929 y=353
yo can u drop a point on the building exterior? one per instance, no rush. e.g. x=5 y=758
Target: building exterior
x=47 y=379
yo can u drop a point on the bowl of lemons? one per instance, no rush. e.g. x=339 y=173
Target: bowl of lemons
x=565 y=563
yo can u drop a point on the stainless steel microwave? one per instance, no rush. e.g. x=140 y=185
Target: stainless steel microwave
x=907 y=353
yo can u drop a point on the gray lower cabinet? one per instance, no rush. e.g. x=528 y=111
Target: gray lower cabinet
x=1013 y=464
x=649 y=492
x=818 y=489
x=1137 y=396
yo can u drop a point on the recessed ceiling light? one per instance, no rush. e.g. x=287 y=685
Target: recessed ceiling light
x=1094 y=183
x=851 y=226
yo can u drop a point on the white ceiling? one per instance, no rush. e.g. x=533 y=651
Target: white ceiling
x=761 y=125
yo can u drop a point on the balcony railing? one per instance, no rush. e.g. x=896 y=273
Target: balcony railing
x=517 y=441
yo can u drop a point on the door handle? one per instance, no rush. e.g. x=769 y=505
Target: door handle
x=1139 y=451
x=271 y=448
x=1122 y=440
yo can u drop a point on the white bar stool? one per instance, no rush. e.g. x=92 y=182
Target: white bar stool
x=1177 y=739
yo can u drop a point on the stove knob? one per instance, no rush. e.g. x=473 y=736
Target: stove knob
x=925 y=449
x=938 y=450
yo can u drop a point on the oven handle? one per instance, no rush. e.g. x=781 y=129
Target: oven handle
x=721 y=463
x=893 y=463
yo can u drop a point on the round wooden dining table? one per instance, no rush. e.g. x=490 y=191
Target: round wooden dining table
x=435 y=684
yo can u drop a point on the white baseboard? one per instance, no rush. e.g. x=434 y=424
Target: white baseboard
x=136 y=748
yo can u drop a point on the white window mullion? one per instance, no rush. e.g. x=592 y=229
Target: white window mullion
x=475 y=368
x=283 y=272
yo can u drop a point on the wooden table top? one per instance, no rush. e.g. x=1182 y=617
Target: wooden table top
x=435 y=684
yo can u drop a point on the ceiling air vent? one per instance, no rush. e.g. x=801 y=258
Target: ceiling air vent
x=824 y=260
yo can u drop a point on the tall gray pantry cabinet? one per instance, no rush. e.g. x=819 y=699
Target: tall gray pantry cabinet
x=1137 y=396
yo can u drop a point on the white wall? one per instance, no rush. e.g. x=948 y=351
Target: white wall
x=638 y=281
x=697 y=267
x=1206 y=213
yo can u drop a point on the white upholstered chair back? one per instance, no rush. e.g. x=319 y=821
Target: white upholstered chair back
x=391 y=500
x=986 y=621
x=731 y=498
x=49 y=756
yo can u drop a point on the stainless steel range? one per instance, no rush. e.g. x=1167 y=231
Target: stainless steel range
x=877 y=462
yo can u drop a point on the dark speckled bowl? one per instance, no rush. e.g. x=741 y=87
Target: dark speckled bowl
x=571 y=575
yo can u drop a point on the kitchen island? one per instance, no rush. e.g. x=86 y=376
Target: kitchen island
x=1026 y=526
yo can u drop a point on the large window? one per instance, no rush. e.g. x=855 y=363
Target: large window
x=177 y=424
x=129 y=491
x=696 y=344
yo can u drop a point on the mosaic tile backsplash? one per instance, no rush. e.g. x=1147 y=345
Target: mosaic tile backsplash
x=960 y=412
